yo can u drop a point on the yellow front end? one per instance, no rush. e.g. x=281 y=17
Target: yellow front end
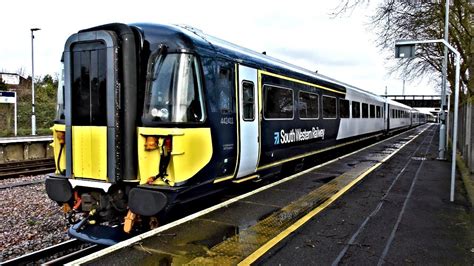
x=89 y=152
x=191 y=151
x=59 y=147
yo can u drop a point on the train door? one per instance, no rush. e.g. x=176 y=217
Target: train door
x=89 y=108
x=248 y=119
x=386 y=116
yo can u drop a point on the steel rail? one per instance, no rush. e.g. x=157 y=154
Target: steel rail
x=43 y=253
x=29 y=167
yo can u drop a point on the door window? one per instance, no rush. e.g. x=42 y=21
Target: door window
x=248 y=101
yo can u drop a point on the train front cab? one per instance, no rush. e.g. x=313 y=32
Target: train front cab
x=174 y=143
x=95 y=141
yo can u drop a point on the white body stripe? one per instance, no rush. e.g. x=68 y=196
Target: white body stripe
x=93 y=184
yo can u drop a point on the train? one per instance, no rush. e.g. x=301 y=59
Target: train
x=152 y=116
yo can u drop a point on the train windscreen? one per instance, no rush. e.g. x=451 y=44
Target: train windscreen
x=174 y=92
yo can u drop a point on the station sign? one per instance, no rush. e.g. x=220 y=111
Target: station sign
x=10 y=97
x=7 y=97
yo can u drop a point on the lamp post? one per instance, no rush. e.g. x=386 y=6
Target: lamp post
x=404 y=49
x=443 y=116
x=33 y=117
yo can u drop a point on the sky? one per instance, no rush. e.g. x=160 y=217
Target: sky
x=300 y=32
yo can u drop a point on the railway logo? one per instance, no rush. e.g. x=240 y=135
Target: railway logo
x=296 y=135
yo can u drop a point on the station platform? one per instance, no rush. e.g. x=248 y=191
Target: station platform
x=385 y=204
x=25 y=148
x=22 y=139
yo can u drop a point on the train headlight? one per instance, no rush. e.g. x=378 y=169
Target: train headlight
x=60 y=135
x=151 y=143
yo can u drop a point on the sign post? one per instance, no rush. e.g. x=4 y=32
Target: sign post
x=10 y=97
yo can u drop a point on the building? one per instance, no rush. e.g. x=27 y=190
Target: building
x=13 y=80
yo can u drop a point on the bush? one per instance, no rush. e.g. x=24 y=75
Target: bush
x=45 y=101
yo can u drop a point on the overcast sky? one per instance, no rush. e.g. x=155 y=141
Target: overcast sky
x=299 y=32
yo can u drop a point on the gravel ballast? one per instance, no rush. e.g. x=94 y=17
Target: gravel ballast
x=29 y=220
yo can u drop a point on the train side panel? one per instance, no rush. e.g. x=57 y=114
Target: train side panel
x=297 y=118
x=366 y=115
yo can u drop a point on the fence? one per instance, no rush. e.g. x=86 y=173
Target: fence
x=465 y=132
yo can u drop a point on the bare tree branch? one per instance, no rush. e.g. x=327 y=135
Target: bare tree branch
x=346 y=6
x=421 y=20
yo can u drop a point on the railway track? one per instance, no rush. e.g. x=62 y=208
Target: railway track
x=29 y=167
x=59 y=254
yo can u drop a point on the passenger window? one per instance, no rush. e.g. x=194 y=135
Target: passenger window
x=343 y=108
x=278 y=103
x=355 y=109
x=378 y=112
x=329 y=107
x=248 y=101
x=372 y=111
x=223 y=82
x=365 y=110
x=308 y=105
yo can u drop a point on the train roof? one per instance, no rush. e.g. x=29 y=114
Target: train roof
x=395 y=103
x=187 y=37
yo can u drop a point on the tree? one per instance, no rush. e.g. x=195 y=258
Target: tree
x=3 y=86
x=422 y=20
x=47 y=79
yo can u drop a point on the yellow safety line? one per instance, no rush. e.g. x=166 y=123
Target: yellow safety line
x=301 y=82
x=267 y=246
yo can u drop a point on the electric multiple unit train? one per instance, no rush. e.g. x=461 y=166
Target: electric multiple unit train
x=150 y=116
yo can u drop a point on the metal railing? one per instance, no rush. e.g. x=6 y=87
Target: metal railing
x=466 y=132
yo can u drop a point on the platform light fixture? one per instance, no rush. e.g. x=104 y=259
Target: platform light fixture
x=405 y=51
